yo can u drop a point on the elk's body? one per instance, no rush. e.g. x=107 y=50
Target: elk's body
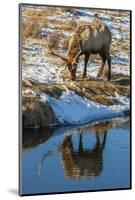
x=93 y=38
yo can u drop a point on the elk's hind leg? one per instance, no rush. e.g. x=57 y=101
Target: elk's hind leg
x=103 y=56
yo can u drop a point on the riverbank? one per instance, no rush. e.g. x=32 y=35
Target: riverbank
x=49 y=97
x=74 y=102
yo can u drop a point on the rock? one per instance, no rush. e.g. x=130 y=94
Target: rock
x=26 y=83
x=33 y=137
x=36 y=113
x=28 y=91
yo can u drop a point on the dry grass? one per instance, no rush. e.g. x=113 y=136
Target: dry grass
x=63 y=10
x=39 y=14
x=30 y=29
x=54 y=40
x=69 y=25
x=36 y=19
x=65 y=43
x=50 y=11
x=33 y=14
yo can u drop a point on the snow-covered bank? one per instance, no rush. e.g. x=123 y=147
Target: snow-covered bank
x=76 y=102
x=39 y=66
x=49 y=95
x=74 y=109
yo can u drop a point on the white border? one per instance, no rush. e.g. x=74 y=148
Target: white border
x=9 y=98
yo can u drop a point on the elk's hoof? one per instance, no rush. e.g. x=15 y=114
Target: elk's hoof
x=109 y=78
x=84 y=75
x=73 y=79
x=98 y=75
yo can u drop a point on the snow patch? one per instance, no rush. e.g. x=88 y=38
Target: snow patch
x=73 y=109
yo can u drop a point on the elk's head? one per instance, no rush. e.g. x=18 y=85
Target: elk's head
x=72 y=66
x=69 y=61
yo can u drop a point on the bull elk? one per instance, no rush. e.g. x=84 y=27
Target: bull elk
x=93 y=38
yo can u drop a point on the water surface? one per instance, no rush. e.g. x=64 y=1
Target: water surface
x=64 y=159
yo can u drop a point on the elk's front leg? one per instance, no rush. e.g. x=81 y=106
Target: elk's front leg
x=87 y=55
x=109 y=67
x=74 y=65
x=73 y=72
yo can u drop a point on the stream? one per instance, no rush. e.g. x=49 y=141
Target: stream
x=95 y=156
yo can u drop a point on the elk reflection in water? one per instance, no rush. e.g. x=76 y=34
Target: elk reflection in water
x=59 y=158
x=78 y=162
x=85 y=163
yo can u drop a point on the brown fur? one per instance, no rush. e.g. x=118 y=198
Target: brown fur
x=93 y=38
